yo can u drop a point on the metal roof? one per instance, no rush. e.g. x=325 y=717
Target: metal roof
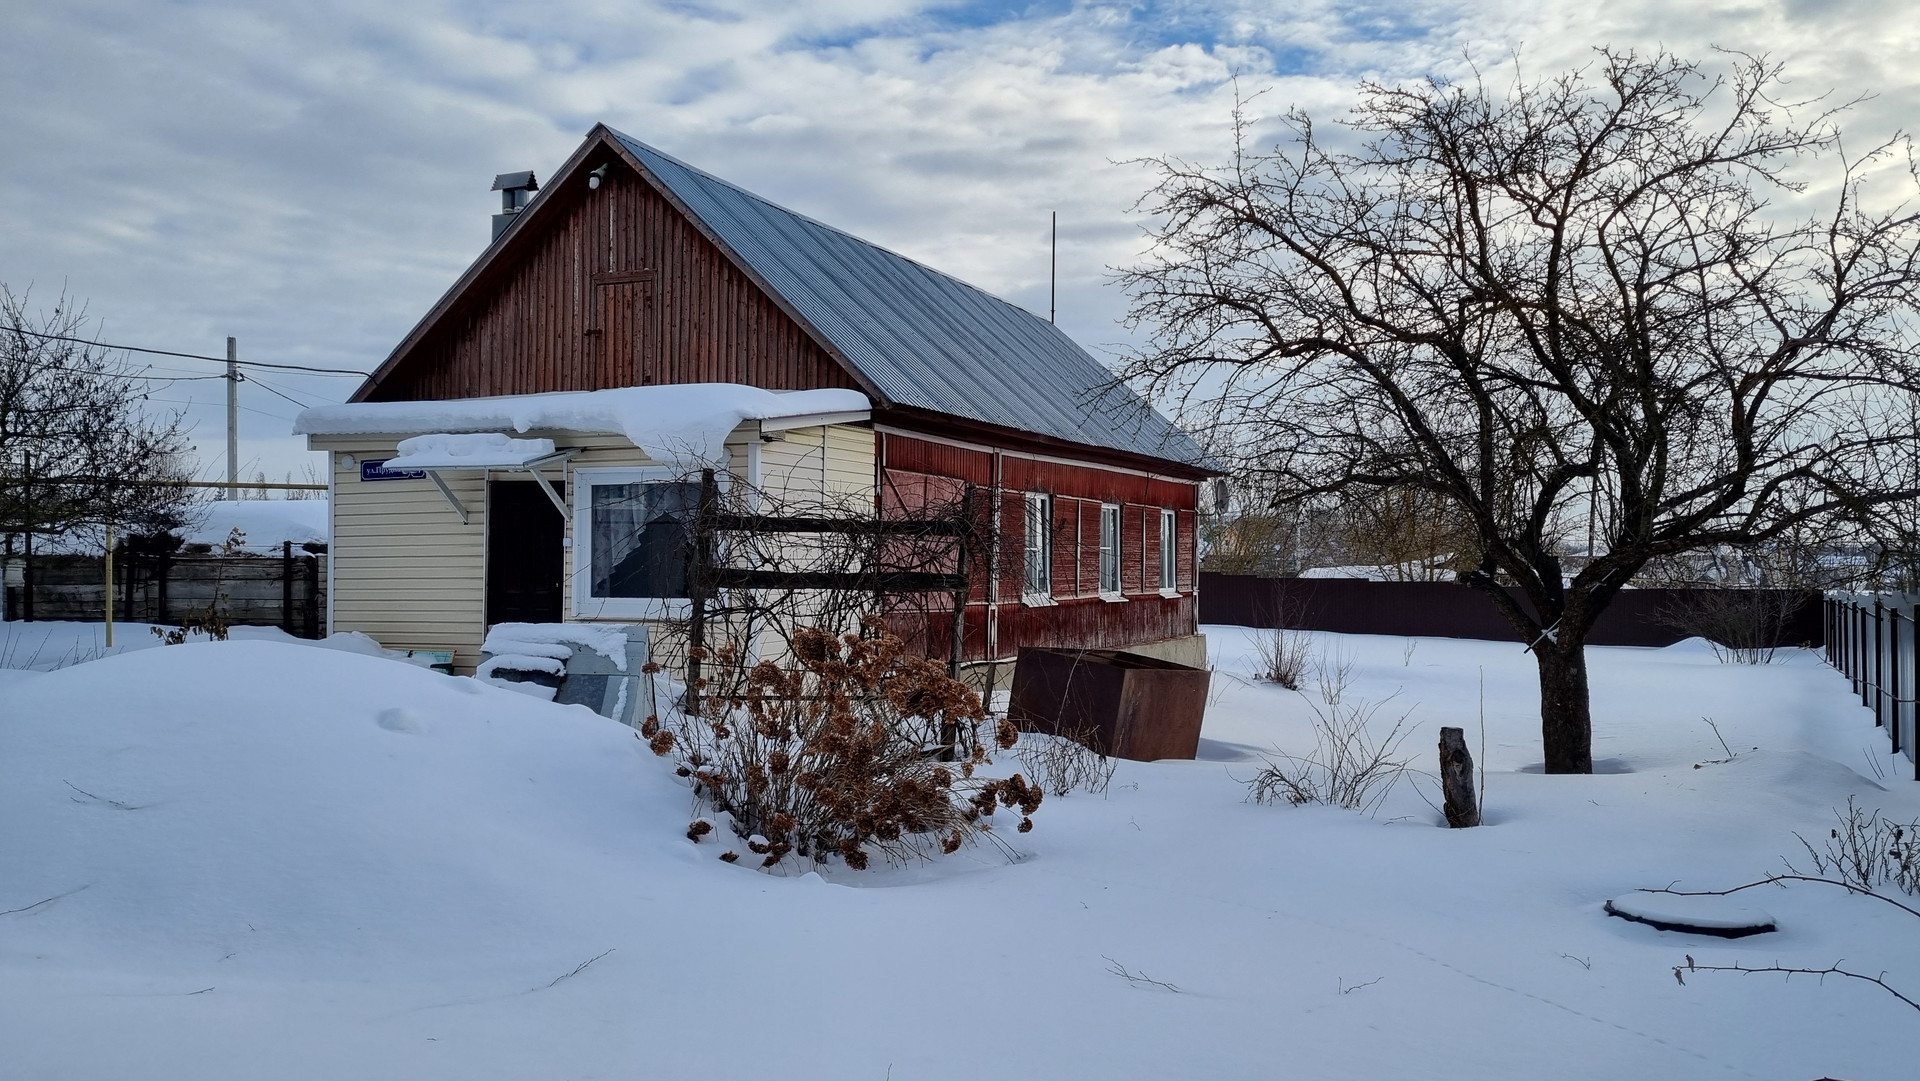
x=921 y=337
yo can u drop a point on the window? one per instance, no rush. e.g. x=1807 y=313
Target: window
x=1038 y=586
x=1109 y=550
x=1168 y=552
x=631 y=537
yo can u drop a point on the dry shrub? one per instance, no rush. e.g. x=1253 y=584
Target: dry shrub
x=1865 y=850
x=838 y=753
x=1071 y=760
x=1350 y=766
x=1744 y=626
x=1283 y=656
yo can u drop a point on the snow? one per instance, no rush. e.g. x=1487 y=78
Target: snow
x=1677 y=910
x=683 y=425
x=552 y=639
x=266 y=522
x=1385 y=572
x=46 y=645
x=259 y=858
x=473 y=450
x=520 y=662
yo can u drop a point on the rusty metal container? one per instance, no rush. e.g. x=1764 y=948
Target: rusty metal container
x=1124 y=704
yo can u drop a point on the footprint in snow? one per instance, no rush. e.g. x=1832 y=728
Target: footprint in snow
x=401 y=719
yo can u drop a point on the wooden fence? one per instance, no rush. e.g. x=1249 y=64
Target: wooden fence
x=286 y=589
x=1874 y=640
x=1637 y=617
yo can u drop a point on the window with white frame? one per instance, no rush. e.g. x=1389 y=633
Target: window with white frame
x=1169 y=551
x=1039 y=548
x=632 y=533
x=1109 y=549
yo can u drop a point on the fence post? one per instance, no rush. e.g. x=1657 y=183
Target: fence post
x=1892 y=681
x=1860 y=649
x=1913 y=695
x=1826 y=627
x=1879 y=667
x=313 y=596
x=286 y=586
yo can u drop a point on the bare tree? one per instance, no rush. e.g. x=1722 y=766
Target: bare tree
x=78 y=449
x=1564 y=300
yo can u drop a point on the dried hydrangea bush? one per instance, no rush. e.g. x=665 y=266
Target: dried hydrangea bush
x=847 y=750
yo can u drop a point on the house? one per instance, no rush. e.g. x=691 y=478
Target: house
x=638 y=318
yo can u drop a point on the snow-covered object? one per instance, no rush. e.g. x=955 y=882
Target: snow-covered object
x=1705 y=915
x=264 y=523
x=551 y=639
x=683 y=424
x=468 y=450
x=520 y=662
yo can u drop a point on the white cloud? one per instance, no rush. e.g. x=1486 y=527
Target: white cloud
x=311 y=177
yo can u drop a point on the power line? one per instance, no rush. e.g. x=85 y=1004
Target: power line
x=189 y=356
x=269 y=388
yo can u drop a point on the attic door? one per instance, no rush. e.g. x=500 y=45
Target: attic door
x=625 y=308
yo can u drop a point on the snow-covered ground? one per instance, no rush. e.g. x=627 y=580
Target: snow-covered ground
x=261 y=859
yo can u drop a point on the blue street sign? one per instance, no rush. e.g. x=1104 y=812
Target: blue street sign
x=376 y=469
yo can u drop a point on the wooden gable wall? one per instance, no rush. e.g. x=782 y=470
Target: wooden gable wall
x=607 y=288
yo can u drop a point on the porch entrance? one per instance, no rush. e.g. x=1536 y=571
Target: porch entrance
x=525 y=560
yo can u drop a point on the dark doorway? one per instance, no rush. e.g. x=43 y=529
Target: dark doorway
x=525 y=560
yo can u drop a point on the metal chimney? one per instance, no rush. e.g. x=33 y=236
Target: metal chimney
x=516 y=191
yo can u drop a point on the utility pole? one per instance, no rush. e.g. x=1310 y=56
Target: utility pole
x=233 y=419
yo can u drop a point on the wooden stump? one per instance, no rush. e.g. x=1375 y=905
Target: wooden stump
x=1456 y=779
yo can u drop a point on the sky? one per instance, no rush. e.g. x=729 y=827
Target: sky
x=309 y=178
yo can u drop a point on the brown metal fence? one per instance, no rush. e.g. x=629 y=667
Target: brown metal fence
x=1637 y=617
x=1874 y=640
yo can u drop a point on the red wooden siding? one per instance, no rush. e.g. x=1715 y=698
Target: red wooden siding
x=608 y=288
x=914 y=469
x=1065 y=547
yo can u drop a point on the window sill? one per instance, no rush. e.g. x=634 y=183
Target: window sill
x=1037 y=600
x=1113 y=598
x=1172 y=594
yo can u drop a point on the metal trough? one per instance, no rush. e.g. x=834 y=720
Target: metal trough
x=1123 y=704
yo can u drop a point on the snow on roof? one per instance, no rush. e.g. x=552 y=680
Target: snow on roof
x=478 y=450
x=682 y=424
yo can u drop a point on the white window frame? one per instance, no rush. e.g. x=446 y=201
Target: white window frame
x=1169 y=554
x=1110 y=553
x=583 y=604
x=1036 y=564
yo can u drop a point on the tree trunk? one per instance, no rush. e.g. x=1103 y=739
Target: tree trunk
x=1456 y=780
x=1566 y=717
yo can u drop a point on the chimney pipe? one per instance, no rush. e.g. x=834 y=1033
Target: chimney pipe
x=516 y=191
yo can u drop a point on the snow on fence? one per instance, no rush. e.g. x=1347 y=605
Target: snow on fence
x=1874 y=640
x=285 y=589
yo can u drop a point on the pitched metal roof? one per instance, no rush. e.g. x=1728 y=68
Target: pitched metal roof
x=921 y=337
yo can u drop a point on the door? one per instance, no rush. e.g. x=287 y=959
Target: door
x=624 y=300
x=525 y=560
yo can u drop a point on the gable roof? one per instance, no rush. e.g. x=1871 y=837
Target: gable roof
x=912 y=336
x=922 y=338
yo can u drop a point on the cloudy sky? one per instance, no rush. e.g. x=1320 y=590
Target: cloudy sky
x=310 y=177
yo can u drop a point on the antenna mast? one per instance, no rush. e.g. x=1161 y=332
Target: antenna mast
x=1053 y=268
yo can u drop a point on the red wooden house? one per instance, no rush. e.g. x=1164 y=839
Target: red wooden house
x=631 y=269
